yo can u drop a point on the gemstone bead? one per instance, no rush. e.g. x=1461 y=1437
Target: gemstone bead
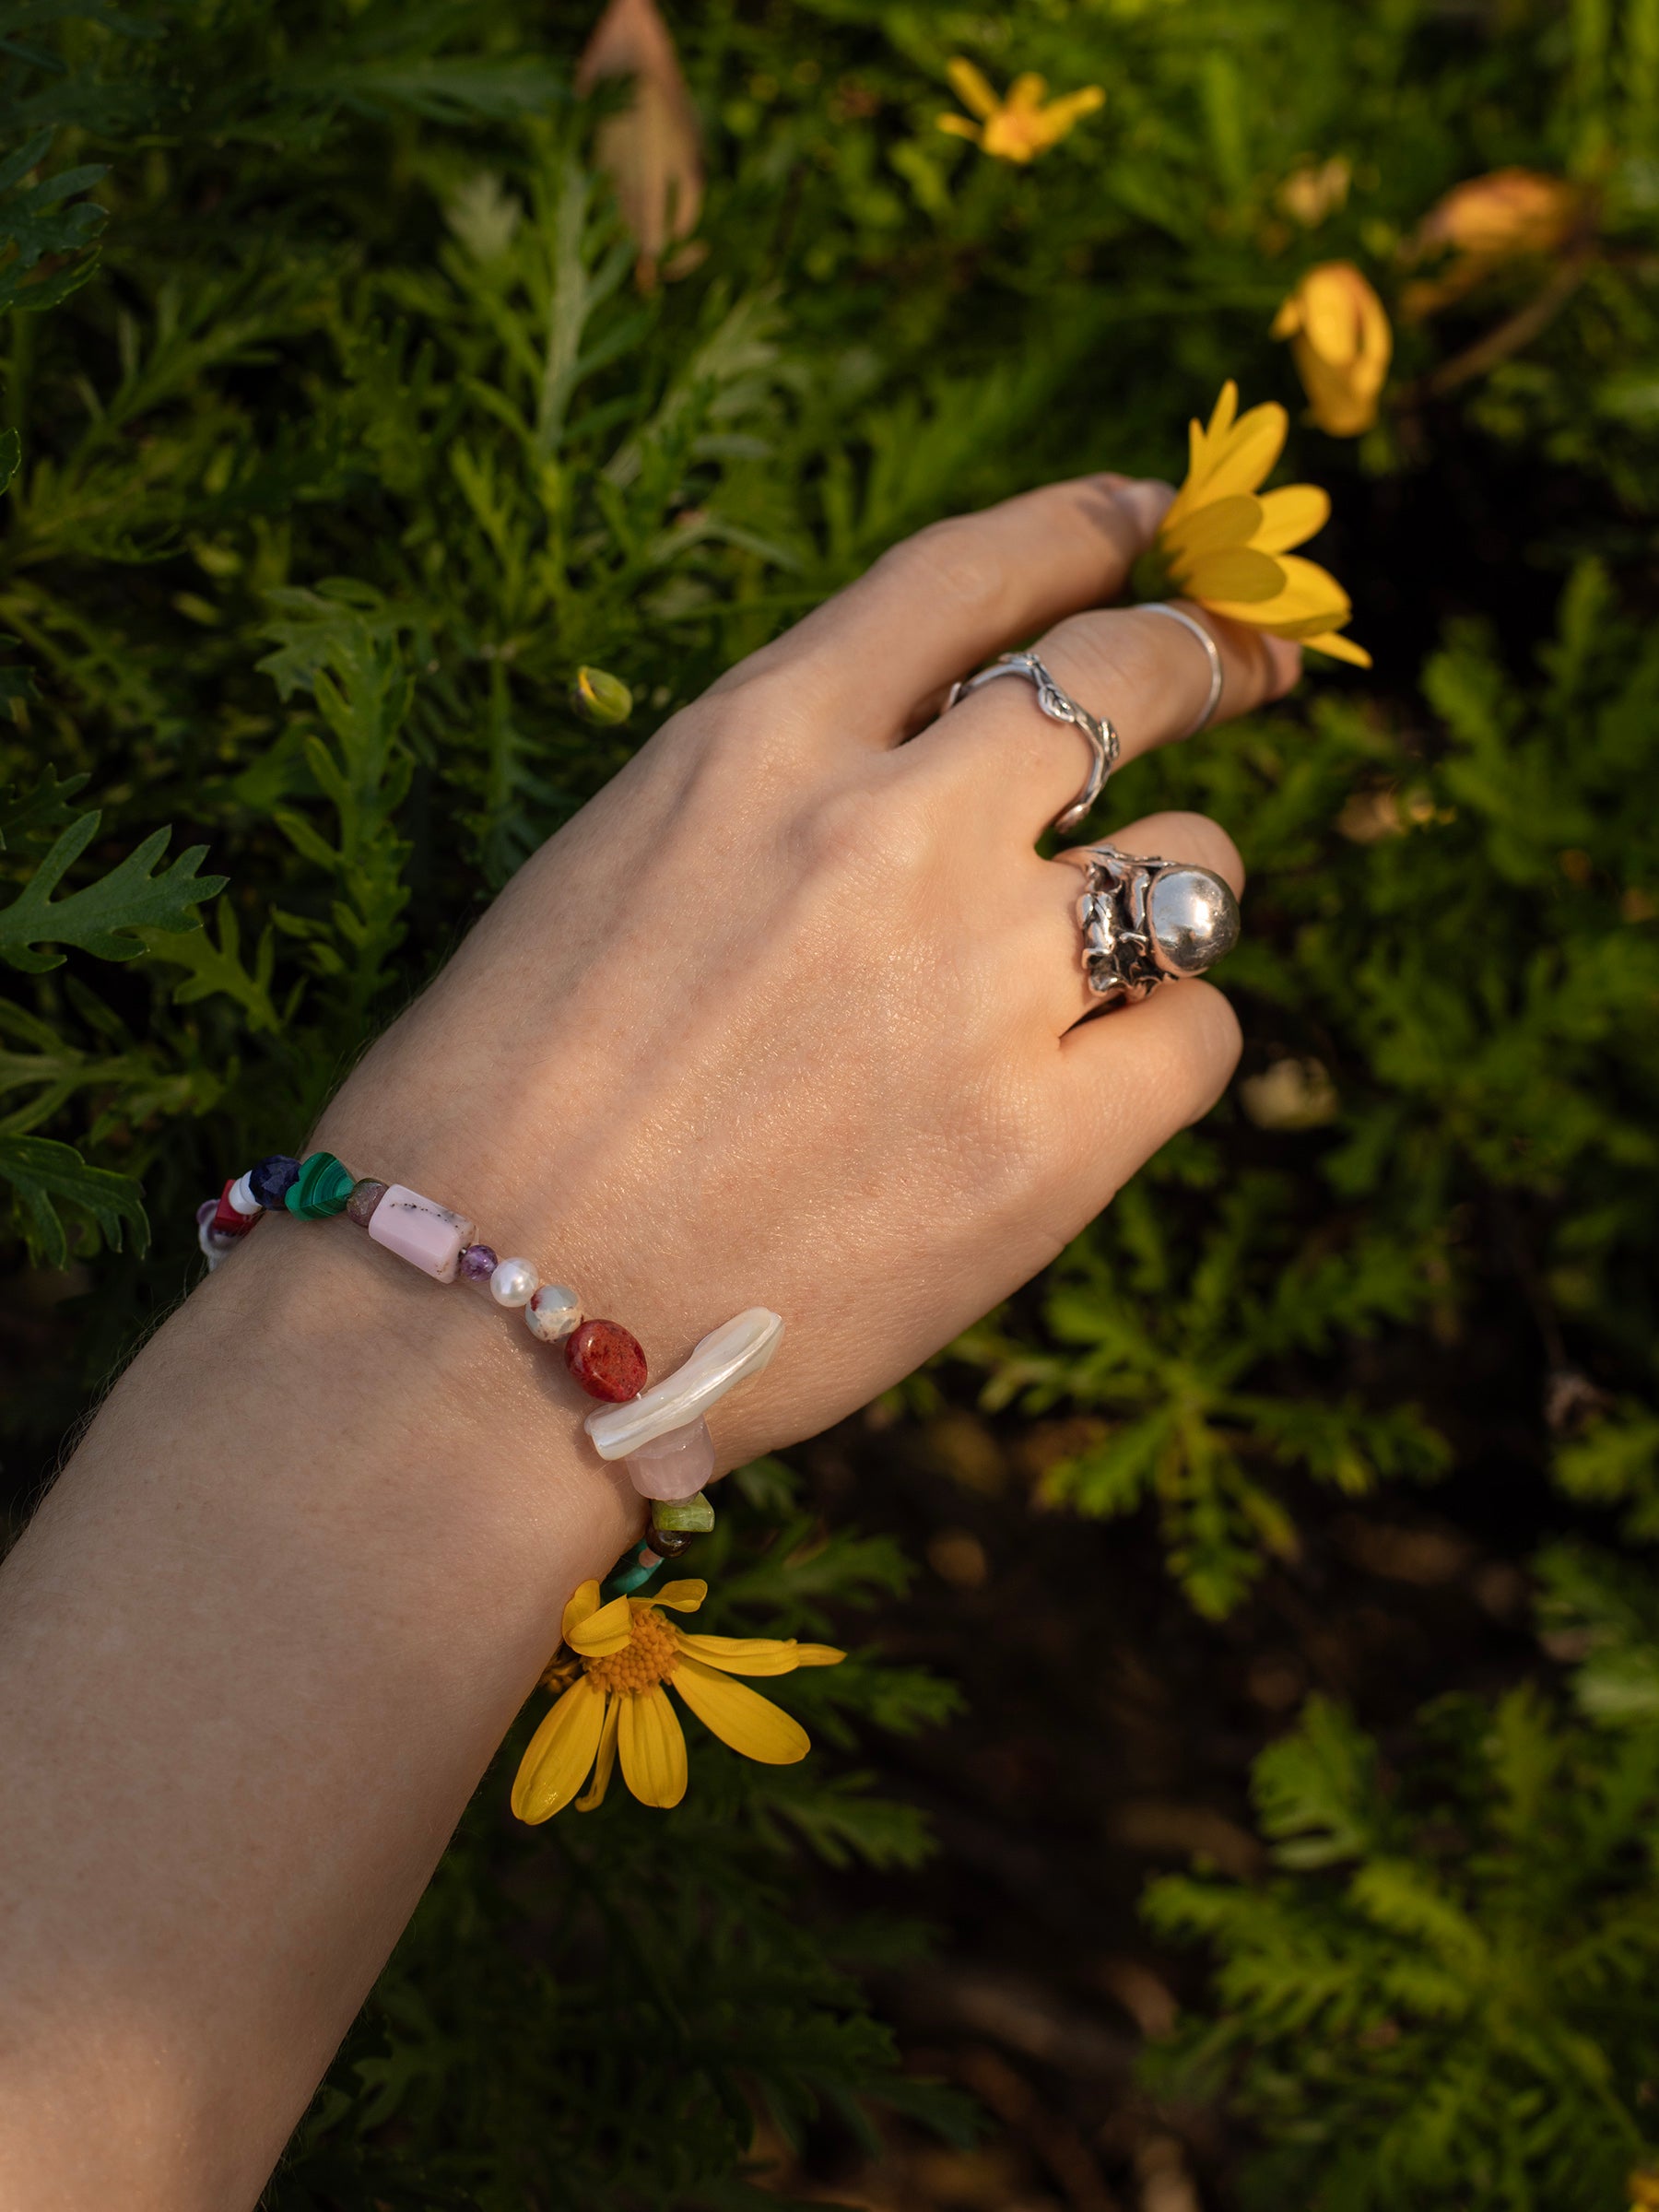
x=606 y=1361
x=553 y=1311
x=241 y=1197
x=271 y=1179
x=671 y=1543
x=676 y=1465
x=321 y=1188
x=421 y=1231
x=477 y=1263
x=682 y=1516
x=229 y=1220
x=365 y=1196
x=514 y=1283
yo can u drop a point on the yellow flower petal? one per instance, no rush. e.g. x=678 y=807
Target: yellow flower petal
x=603 y=1632
x=1338 y=647
x=1238 y=575
x=740 y=1717
x=1027 y=91
x=559 y=1754
x=817 y=1654
x=1295 y=512
x=741 y=1654
x=594 y=1795
x=680 y=1597
x=583 y=1605
x=1214 y=526
x=1249 y=451
x=1071 y=107
x=972 y=88
x=653 y=1746
x=959 y=128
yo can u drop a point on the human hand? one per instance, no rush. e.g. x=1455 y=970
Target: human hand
x=789 y=1014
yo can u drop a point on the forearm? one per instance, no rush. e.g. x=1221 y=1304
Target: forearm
x=255 y=1650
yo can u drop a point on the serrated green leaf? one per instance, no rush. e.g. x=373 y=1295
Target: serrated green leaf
x=101 y=917
x=45 y=1177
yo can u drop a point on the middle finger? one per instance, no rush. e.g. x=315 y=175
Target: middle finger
x=1149 y=676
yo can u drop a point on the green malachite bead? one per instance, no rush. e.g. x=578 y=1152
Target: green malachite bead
x=631 y=1573
x=321 y=1188
x=695 y=1515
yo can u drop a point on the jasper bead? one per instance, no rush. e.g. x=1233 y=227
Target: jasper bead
x=606 y=1361
x=514 y=1283
x=271 y=1181
x=365 y=1196
x=477 y=1263
x=553 y=1311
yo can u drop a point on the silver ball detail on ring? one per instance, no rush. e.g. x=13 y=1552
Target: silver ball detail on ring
x=1147 y=921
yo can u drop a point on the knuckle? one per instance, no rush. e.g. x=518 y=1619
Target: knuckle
x=866 y=827
x=955 y=560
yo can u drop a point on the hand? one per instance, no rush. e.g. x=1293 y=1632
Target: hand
x=789 y=1014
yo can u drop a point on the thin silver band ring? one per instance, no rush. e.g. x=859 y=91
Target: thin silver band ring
x=1059 y=707
x=1211 y=650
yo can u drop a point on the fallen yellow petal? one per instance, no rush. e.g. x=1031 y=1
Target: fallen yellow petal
x=559 y=1754
x=653 y=1747
x=741 y=1717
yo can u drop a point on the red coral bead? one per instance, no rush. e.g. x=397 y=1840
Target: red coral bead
x=226 y=1221
x=606 y=1361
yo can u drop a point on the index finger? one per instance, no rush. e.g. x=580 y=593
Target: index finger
x=938 y=603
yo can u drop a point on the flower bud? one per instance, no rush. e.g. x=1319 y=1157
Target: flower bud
x=600 y=696
x=1341 y=340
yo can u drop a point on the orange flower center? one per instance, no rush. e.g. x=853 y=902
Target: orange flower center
x=648 y=1658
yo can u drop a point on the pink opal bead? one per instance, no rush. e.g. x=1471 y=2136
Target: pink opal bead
x=676 y=1465
x=419 y=1230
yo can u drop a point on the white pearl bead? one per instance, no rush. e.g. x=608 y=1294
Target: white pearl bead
x=553 y=1313
x=514 y=1283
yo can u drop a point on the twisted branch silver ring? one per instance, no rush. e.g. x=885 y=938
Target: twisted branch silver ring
x=1147 y=921
x=1102 y=738
x=1212 y=653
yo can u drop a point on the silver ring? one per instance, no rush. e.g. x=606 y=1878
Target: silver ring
x=1147 y=921
x=1212 y=653
x=1101 y=736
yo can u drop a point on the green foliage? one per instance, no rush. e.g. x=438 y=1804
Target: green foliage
x=362 y=441
x=1442 y=1996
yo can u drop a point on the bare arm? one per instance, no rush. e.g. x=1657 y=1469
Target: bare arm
x=787 y=1016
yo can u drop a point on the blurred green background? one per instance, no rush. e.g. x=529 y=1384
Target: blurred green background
x=369 y=371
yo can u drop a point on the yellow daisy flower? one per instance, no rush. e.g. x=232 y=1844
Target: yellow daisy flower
x=1226 y=543
x=1340 y=337
x=1021 y=126
x=615 y=1703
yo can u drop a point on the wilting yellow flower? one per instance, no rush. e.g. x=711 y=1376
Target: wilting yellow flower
x=1021 y=126
x=1226 y=543
x=615 y=1703
x=1486 y=221
x=1341 y=341
x=650 y=148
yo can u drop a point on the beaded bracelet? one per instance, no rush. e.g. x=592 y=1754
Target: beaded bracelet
x=660 y=1433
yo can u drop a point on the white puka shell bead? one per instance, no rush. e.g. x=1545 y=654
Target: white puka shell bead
x=727 y=1356
x=514 y=1283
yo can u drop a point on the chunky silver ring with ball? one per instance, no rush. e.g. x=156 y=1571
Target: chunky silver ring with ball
x=1102 y=738
x=1147 y=921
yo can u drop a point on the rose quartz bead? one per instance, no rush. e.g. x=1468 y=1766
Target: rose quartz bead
x=419 y=1230
x=607 y=1359
x=676 y=1465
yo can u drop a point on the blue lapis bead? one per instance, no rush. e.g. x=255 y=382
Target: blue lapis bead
x=272 y=1180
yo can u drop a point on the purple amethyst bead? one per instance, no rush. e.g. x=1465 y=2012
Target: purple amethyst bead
x=272 y=1180
x=478 y=1264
